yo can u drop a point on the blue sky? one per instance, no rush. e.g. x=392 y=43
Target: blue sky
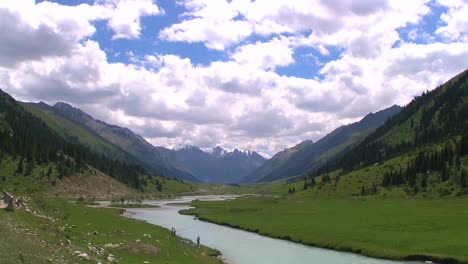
x=308 y=60
x=261 y=75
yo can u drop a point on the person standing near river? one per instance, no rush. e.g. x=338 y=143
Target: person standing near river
x=198 y=240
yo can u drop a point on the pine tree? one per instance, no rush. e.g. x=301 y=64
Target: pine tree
x=20 y=165
x=312 y=182
x=444 y=175
x=462 y=146
x=463 y=179
x=159 y=186
x=30 y=166
x=49 y=171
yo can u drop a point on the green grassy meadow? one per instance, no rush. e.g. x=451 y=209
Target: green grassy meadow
x=385 y=228
x=86 y=228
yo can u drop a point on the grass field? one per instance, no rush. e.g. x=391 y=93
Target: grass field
x=85 y=227
x=89 y=228
x=385 y=228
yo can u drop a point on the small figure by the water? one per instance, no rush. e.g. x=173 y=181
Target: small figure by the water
x=173 y=232
x=198 y=240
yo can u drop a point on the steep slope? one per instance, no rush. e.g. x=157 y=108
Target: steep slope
x=422 y=150
x=199 y=163
x=157 y=159
x=218 y=165
x=75 y=132
x=435 y=117
x=217 y=152
x=36 y=151
x=308 y=155
x=277 y=161
x=238 y=164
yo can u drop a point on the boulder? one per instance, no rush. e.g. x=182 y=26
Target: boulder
x=84 y=256
x=9 y=201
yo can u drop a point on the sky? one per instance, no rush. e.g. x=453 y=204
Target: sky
x=262 y=75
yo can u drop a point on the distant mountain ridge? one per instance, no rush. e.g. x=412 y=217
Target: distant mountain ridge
x=218 y=165
x=309 y=155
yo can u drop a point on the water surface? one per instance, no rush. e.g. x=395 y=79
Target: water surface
x=241 y=247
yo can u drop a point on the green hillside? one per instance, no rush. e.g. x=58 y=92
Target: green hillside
x=73 y=131
x=308 y=155
x=427 y=139
x=40 y=151
x=158 y=160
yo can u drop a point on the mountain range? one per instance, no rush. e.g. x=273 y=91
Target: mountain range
x=309 y=155
x=186 y=162
x=192 y=163
x=218 y=165
x=429 y=118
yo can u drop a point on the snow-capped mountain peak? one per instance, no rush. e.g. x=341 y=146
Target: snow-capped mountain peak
x=179 y=147
x=243 y=151
x=217 y=152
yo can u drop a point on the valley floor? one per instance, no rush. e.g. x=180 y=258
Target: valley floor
x=55 y=229
x=412 y=228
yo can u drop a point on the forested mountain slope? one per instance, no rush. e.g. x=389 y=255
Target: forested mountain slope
x=422 y=149
x=29 y=140
x=309 y=155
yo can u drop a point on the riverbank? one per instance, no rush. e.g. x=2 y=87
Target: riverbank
x=398 y=229
x=132 y=206
x=58 y=229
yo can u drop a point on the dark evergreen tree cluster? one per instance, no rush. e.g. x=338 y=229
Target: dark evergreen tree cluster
x=416 y=173
x=159 y=185
x=368 y=191
x=326 y=178
x=462 y=146
x=27 y=138
x=309 y=184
